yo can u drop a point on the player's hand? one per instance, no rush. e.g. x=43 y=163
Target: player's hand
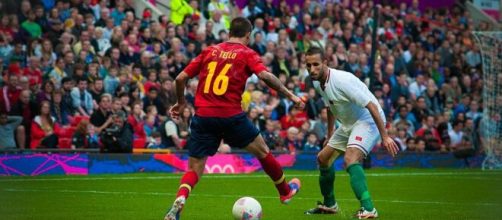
x=390 y=145
x=175 y=110
x=298 y=102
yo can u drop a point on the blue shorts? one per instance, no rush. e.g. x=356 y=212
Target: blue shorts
x=207 y=133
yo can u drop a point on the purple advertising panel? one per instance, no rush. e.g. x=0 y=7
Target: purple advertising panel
x=41 y=164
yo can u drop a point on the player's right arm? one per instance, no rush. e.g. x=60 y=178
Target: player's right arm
x=331 y=126
x=331 y=123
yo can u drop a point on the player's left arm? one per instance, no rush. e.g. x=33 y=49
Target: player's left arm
x=255 y=64
x=273 y=82
x=357 y=92
x=189 y=72
x=387 y=141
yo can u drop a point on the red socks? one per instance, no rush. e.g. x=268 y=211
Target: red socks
x=274 y=170
x=187 y=183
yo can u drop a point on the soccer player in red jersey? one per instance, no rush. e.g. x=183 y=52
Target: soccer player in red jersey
x=223 y=70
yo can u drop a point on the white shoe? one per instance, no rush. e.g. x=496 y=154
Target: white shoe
x=174 y=212
x=363 y=214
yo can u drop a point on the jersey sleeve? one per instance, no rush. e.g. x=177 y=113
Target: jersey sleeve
x=255 y=63
x=195 y=65
x=355 y=91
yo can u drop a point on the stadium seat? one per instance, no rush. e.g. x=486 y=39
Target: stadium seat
x=67 y=132
x=75 y=120
x=64 y=143
x=139 y=143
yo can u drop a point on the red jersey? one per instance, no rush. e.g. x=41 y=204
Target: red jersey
x=223 y=70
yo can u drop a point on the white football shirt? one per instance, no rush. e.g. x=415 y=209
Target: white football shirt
x=347 y=97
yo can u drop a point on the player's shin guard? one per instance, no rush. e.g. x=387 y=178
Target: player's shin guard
x=187 y=183
x=358 y=183
x=274 y=170
x=326 y=181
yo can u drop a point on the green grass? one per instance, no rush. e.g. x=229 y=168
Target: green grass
x=398 y=194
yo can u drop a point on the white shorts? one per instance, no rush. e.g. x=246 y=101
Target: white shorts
x=363 y=135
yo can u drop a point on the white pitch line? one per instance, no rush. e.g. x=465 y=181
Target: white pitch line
x=237 y=196
x=233 y=176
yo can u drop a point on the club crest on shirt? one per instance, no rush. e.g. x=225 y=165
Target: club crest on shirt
x=359 y=138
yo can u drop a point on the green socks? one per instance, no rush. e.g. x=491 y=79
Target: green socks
x=326 y=181
x=359 y=186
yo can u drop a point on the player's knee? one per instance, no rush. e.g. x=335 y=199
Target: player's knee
x=350 y=159
x=322 y=160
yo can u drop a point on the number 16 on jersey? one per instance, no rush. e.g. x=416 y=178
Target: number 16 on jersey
x=220 y=84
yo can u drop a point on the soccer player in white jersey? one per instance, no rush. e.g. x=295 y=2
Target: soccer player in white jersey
x=362 y=124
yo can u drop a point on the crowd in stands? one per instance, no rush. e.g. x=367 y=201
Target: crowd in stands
x=99 y=74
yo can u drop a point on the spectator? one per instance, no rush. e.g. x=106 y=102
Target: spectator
x=33 y=71
x=58 y=111
x=67 y=101
x=82 y=99
x=156 y=141
x=292 y=143
x=32 y=27
x=456 y=135
x=44 y=129
x=96 y=90
x=46 y=93
x=101 y=118
x=9 y=95
x=473 y=112
x=404 y=117
x=111 y=81
x=258 y=44
x=320 y=127
x=85 y=136
x=149 y=126
x=136 y=120
x=417 y=87
x=295 y=118
x=118 y=137
x=253 y=117
x=169 y=132
x=152 y=99
x=271 y=136
x=411 y=144
x=184 y=122
x=58 y=73
x=217 y=6
x=312 y=143
x=420 y=145
x=9 y=127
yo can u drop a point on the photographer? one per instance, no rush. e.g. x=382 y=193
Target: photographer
x=118 y=137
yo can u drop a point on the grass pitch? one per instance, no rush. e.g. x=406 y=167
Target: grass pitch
x=397 y=194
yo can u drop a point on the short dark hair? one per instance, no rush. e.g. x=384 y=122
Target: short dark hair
x=66 y=79
x=315 y=50
x=240 y=27
x=82 y=79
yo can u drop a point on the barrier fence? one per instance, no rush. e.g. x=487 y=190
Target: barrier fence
x=79 y=163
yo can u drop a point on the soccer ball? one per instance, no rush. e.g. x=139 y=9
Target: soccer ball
x=246 y=208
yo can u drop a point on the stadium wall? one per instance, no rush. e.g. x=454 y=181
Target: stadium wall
x=88 y=164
